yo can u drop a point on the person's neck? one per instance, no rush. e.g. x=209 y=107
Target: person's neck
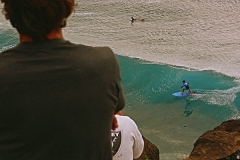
x=56 y=33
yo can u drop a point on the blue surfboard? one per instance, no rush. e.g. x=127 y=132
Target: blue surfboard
x=179 y=94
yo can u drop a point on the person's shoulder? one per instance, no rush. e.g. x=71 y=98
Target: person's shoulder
x=103 y=50
x=9 y=51
x=101 y=54
x=126 y=119
x=3 y=52
x=95 y=48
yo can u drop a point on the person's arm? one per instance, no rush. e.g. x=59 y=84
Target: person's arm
x=114 y=123
x=138 y=146
x=182 y=86
x=119 y=89
x=120 y=113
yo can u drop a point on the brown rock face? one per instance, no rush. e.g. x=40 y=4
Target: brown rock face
x=219 y=143
x=151 y=152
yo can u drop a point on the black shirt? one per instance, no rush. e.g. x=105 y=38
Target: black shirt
x=57 y=100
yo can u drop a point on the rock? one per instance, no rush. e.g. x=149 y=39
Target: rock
x=219 y=143
x=234 y=156
x=151 y=152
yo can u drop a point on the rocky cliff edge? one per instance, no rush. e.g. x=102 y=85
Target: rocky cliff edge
x=221 y=143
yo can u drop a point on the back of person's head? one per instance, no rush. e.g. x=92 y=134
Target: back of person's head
x=37 y=18
x=183 y=81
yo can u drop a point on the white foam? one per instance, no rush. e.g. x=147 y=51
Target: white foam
x=218 y=97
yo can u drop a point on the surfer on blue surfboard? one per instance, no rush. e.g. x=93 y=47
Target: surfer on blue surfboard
x=185 y=86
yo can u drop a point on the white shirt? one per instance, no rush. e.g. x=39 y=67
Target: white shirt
x=127 y=141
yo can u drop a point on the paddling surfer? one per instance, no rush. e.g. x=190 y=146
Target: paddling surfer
x=134 y=19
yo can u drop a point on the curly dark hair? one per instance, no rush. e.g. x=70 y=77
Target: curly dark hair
x=37 y=18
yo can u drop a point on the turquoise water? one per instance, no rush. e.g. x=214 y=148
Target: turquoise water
x=174 y=124
x=155 y=83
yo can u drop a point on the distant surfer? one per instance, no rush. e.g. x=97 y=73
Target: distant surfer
x=132 y=19
x=185 y=86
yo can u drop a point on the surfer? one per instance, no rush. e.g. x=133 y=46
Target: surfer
x=185 y=86
x=132 y=19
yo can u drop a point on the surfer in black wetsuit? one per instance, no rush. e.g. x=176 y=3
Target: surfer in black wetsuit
x=185 y=86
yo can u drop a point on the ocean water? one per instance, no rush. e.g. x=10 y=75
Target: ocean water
x=195 y=40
